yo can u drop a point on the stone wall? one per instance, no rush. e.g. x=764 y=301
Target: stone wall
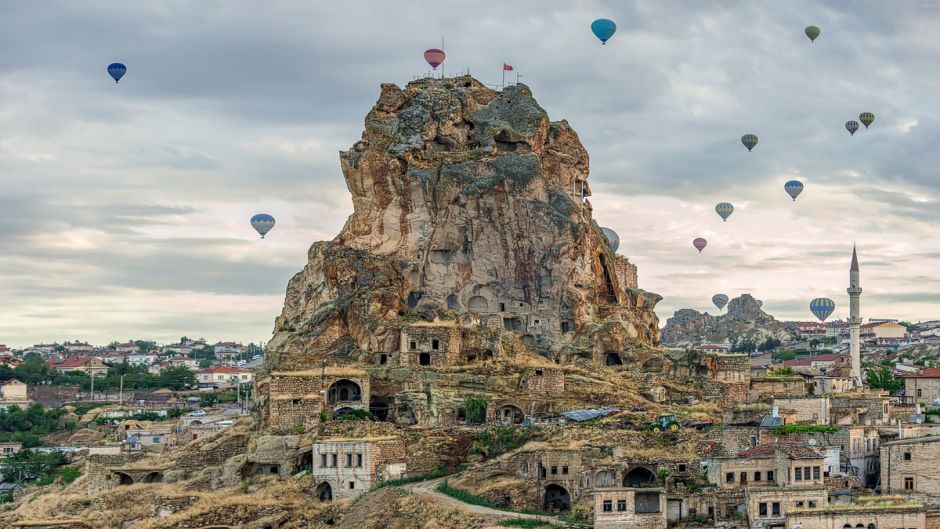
x=764 y=389
x=786 y=500
x=911 y=466
x=621 y=511
x=809 y=410
x=97 y=471
x=427 y=450
x=542 y=382
x=293 y=401
x=440 y=343
x=865 y=515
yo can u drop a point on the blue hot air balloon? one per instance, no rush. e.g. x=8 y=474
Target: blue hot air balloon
x=262 y=223
x=612 y=238
x=117 y=70
x=793 y=188
x=603 y=29
x=822 y=307
x=724 y=210
x=720 y=300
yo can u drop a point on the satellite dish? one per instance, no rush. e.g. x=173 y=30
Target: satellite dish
x=811 y=442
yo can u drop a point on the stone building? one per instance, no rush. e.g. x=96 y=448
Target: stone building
x=876 y=512
x=293 y=400
x=558 y=477
x=861 y=407
x=923 y=386
x=727 y=377
x=622 y=508
x=803 y=410
x=860 y=448
x=544 y=382
x=911 y=466
x=765 y=389
x=345 y=468
x=430 y=344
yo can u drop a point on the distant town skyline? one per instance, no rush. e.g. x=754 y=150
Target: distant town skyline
x=125 y=207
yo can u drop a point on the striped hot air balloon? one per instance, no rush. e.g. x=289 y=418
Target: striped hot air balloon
x=793 y=188
x=699 y=244
x=262 y=223
x=724 y=210
x=720 y=300
x=851 y=126
x=822 y=307
x=749 y=141
x=866 y=118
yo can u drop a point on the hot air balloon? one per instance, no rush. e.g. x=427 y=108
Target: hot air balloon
x=603 y=29
x=749 y=141
x=724 y=210
x=822 y=307
x=851 y=126
x=812 y=32
x=262 y=223
x=434 y=57
x=117 y=70
x=612 y=238
x=699 y=244
x=793 y=188
x=866 y=118
x=720 y=300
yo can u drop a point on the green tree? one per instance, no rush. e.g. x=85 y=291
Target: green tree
x=884 y=379
x=177 y=377
x=208 y=400
x=784 y=355
x=475 y=409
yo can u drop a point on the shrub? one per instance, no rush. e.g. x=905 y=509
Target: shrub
x=493 y=442
x=525 y=523
x=475 y=408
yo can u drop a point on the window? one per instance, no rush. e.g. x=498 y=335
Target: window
x=798 y=474
x=435 y=344
x=352 y=485
x=909 y=483
x=775 y=508
x=770 y=475
x=156 y=440
x=907 y=456
x=806 y=473
x=812 y=504
x=322 y=460
x=564 y=470
x=799 y=503
x=333 y=460
x=349 y=460
x=816 y=473
x=359 y=460
x=541 y=471
x=729 y=477
x=554 y=470
x=538 y=372
x=413 y=345
x=757 y=476
x=681 y=467
x=621 y=505
x=762 y=509
x=608 y=506
x=920 y=393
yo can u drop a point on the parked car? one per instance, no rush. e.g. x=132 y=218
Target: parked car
x=197 y=413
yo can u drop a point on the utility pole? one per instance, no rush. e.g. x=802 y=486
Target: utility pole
x=92 y=385
x=121 y=393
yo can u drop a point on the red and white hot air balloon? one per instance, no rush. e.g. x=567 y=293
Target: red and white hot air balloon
x=434 y=57
x=699 y=244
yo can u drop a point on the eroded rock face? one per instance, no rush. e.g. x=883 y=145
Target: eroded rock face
x=469 y=206
x=744 y=320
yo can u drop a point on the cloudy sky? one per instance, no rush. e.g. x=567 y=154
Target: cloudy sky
x=124 y=208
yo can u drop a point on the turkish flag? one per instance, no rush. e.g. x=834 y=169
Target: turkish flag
x=507 y=67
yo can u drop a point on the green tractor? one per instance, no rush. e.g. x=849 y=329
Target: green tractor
x=664 y=423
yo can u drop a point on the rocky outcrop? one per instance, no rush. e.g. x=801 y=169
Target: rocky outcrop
x=744 y=320
x=470 y=207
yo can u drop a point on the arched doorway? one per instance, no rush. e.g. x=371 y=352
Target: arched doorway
x=478 y=304
x=324 y=492
x=510 y=414
x=605 y=478
x=124 y=479
x=344 y=390
x=557 y=499
x=342 y=411
x=153 y=477
x=639 y=477
x=613 y=359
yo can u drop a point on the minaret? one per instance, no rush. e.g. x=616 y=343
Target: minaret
x=855 y=292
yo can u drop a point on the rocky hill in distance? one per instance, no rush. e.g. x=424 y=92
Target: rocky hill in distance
x=744 y=320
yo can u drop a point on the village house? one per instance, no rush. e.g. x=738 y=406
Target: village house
x=78 y=347
x=923 y=386
x=860 y=445
x=874 y=512
x=10 y=448
x=911 y=466
x=884 y=330
x=803 y=410
x=137 y=438
x=13 y=391
x=765 y=389
x=127 y=347
x=88 y=365
x=224 y=376
x=345 y=468
x=183 y=361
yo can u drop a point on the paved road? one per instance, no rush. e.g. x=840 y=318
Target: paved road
x=429 y=488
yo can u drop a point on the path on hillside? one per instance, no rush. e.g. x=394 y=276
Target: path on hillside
x=429 y=488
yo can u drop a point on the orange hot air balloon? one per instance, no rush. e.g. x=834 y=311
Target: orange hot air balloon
x=434 y=57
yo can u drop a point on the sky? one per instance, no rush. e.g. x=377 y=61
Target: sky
x=124 y=208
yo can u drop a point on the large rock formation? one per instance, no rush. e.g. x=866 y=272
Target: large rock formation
x=469 y=207
x=744 y=320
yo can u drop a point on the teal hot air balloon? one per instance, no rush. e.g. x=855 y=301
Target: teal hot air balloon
x=603 y=29
x=612 y=238
x=812 y=32
x=720 y=300
x=724 y=210
x=749 y=141
x=822 y=307
x=866 y=118
x=793 y=188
